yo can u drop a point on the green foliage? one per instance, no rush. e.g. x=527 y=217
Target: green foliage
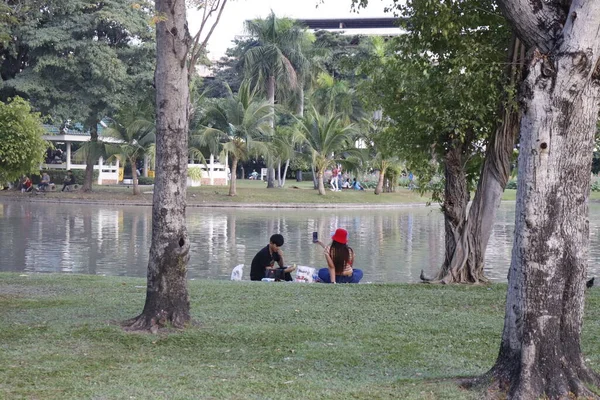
x=22 y=147
x=57 y=176
x=441 y=81
x=194 y=173
x=229 y=70
x=79 y=59
x=145 y=180
x=278 y=54
x=238 y=124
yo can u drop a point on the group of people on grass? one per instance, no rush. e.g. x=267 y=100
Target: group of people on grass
x=338 y=183
x=338 y=255
x=26 y=185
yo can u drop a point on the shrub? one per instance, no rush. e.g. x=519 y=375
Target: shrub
x=511 y=184
x=144 y=180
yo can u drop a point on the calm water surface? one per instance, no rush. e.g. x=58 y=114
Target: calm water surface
x=391 y=245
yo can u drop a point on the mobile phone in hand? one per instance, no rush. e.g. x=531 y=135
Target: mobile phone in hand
x=315 y=237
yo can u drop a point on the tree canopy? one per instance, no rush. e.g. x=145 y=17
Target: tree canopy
x=22 y=147
x=80 y=59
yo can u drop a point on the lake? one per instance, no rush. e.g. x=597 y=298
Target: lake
x=391 y=245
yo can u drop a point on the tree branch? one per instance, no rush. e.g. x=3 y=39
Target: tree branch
x=539 y=24
x=197 y=49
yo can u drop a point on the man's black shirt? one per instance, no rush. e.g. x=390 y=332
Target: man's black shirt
x=261 y=260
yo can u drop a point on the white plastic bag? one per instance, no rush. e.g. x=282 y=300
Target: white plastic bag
x=304 y=274
x=238 y=271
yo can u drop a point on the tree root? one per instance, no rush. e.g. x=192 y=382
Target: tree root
x=152 y=324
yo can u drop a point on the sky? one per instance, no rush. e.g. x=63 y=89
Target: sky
x=237 y=11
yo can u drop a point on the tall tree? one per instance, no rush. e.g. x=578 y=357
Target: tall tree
x=326 y=136
x=465 y=263
x=440 y=85
x=167 y=299
x=238 y=125
x=134 y=131
x=540 y=352
x=80 y=60
x=276 y=60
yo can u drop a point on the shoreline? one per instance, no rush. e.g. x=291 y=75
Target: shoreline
x=32 y=198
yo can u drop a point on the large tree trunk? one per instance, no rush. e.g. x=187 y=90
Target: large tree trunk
x=540 y=353
x=466 y=264
x=233 y=181
x=91 y=158
x=456 y=198
x=167 y=298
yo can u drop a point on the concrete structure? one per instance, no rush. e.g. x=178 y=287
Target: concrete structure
x=214 y=173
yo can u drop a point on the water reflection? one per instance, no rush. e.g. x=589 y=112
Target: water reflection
x=390 y=245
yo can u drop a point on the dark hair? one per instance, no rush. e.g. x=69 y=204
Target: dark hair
x=340 y=254
x=277 y=239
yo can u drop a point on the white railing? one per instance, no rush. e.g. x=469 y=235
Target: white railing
x=216 y=174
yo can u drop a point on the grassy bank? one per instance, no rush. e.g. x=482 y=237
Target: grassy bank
x=248 y=192
x=254 y=340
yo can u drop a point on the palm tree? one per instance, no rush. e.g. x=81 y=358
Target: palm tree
x=238 y=126
x=132 y=134
x=334 y=96
x=283 y=147
x=277 y=60
x=379 y=153
x=326 y=136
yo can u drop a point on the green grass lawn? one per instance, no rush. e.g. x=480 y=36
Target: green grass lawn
x=249 y=192
x=60 y=340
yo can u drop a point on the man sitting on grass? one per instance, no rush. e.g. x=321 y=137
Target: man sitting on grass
x=68 y=182
x=264 y=261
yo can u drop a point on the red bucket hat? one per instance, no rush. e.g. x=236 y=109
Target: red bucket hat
x=340 y=236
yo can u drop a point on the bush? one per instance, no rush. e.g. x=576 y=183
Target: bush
x=57 y=176
x=145 y=180
x=511 y=184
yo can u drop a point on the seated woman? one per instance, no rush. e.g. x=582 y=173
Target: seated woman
x=339 y=257
x=356 y=185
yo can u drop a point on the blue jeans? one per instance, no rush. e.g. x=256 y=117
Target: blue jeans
x=355 y=278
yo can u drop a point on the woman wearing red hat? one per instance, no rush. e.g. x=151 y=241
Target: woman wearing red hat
x=339 y=257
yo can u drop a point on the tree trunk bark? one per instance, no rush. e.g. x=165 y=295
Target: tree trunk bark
x=271 y=98
x=279 y=173
x=315 y=178
x=270 y=178
x=467 y=262
x=136 y=187
x=233 y=181
x=300 y=109
x=299 y=176
x=540 y=352
x=167 y=299
x=321 y=185
x=379 y=187
x=90 y=160
x=456 y=198
x=285 y=168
